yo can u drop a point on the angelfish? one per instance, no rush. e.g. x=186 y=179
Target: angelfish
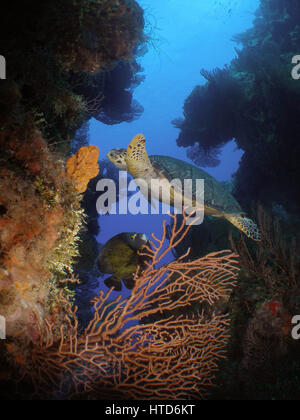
x=121 y=256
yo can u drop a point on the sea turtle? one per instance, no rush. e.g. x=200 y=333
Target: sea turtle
x=218 y=201
x=121 y=256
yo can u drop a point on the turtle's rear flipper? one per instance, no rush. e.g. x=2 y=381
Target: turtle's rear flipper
x=113 y=282
x=129 y=283
x=245 y=225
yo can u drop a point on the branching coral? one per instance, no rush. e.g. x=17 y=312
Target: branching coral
x=121 y=356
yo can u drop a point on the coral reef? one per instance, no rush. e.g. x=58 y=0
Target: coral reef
x=120 y=355
x=263 y=358
x=208 y=111
x=85 y=36
x=266 y=339
x=61 y=58
x=117 y=104
x=99 y=33
x=40 y=220
x=256 y=102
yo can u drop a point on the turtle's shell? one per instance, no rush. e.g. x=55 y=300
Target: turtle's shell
x=216 y=196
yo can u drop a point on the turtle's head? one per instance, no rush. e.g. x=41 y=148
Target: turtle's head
x=118 y=158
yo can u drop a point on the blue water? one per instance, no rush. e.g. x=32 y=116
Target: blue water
x=186 y=37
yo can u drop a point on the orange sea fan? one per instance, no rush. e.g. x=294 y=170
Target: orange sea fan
x=120 y=355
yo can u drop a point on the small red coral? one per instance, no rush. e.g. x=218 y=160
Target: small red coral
x=34 y=166
x=273 y=307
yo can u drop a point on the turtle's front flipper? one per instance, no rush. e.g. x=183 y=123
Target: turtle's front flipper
x=138 y=162
x=113 y=282
x=244 y=224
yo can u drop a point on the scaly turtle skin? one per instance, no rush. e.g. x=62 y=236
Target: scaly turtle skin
x=120 y=256
x=218 y=202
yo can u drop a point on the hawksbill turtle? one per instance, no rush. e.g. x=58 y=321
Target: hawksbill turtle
x=218 y=201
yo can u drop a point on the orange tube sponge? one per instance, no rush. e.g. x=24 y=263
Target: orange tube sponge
x=83 y=166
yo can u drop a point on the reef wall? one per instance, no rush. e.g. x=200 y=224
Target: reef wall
x=66 y=62
x=255 y=101
x=70 y=61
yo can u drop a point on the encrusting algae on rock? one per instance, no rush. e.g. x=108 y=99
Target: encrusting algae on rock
x=40 y=221
x=82 y=167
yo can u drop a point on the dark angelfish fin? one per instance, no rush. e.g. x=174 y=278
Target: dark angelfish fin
x=113 y=282
x=129 y=283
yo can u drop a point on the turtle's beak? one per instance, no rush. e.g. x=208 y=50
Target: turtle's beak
x=110 y=157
